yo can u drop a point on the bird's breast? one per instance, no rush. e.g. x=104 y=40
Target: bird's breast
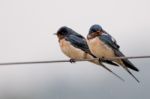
x=69 y=50
x=99 y=48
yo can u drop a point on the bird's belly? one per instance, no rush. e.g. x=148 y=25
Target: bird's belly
x=99 y=49
x=75 y=53
x=71 y=51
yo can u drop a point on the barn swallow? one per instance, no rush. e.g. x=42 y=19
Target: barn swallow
x=75 y=46
x=102 y=44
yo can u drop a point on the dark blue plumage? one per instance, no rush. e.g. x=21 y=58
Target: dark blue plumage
x=75 y=46
x=106 y=43
x=78 y=42
x=108 y=40
x=95 y=28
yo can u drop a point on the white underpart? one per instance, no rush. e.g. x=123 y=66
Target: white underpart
x=75 y=53
x=71 y=51
x=99 y=48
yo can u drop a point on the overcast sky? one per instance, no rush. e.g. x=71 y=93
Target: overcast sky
x=26 y=34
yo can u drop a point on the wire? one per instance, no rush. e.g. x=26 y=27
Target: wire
x=76 y=60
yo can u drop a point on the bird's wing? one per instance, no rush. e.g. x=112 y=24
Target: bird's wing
x=79 y=41
x=108 y=40
x=111 y=42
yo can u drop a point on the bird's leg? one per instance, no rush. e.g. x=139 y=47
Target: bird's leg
x=102 y=59
x=72 y=60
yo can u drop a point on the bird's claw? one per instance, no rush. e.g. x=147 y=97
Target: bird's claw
x=72 y=60
x=101 y=59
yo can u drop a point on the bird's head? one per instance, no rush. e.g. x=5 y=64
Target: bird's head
x=63 y=32
x=95 y=30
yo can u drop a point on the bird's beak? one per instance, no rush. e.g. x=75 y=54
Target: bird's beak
x=55 y=33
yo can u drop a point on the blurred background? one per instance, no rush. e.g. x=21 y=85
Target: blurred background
x=26 y=34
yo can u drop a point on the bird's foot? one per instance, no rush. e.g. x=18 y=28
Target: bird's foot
x=72 y=60
x=102 y=59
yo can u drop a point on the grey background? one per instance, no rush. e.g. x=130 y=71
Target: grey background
x=26 y=34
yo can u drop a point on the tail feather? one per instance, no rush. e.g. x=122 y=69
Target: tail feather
x=130 y=65
x=126 y=61
x=130 y=73
x=110 y=63
x=112 y=72
x=89 y=56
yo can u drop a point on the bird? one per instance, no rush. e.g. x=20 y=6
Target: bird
x=74 y=45
x=103 y=45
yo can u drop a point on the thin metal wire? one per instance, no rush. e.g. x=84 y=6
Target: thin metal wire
x=76 y=60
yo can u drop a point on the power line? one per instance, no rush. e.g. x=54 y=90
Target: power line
x=76 y=60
